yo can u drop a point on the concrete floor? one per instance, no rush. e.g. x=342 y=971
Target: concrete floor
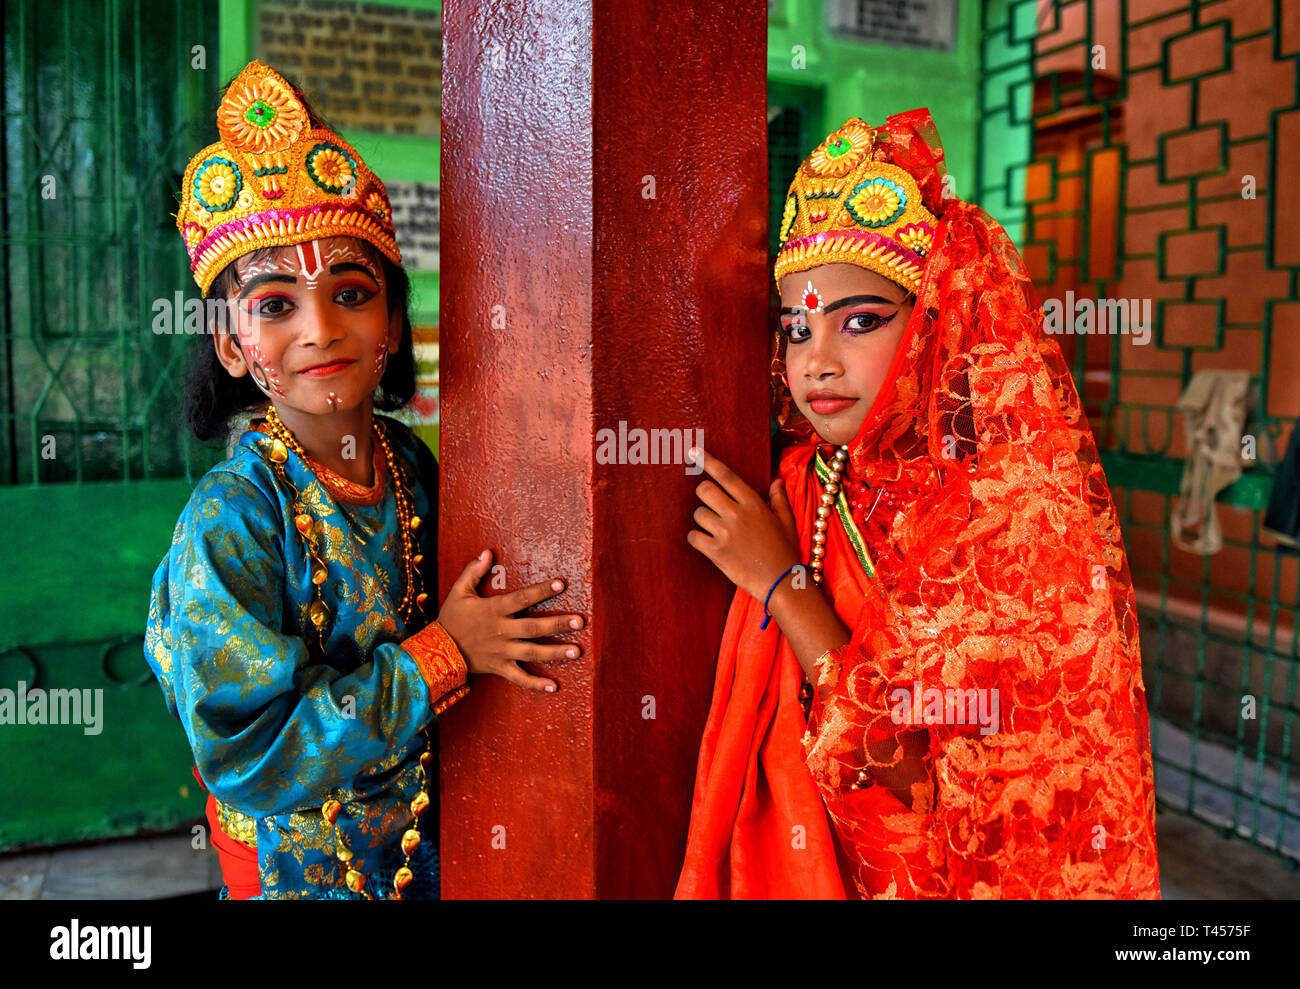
x=1196 y=863
x=134 y=869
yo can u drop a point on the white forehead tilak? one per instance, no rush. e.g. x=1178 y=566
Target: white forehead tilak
x=309 y=260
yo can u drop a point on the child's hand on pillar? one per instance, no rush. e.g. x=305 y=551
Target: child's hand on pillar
x=755 y=543
x=746 y=537
x=490 y=636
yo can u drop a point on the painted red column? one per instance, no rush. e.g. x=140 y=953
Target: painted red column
x=604 y=261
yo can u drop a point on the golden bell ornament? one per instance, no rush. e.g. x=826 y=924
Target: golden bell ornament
x=356 y=881
x=303 y=522
x=415 y=523
x=410 y=841
x=331 y=810
x=319 y=614
x=402 y=878
x=420 y=803
x=279 y=453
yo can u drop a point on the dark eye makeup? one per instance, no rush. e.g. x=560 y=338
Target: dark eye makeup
x=359 y=294
x=856 y=324
x=269 y=306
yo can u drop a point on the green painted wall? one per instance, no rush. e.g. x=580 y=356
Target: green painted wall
x=103 y=97
x=1007 y=91
x=873 y=81
x=74 y=594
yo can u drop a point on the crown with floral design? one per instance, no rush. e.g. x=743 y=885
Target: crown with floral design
x=274 y=180
x=850 y=203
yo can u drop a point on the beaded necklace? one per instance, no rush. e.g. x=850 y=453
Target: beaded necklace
x=833 y=500
x=408 y=524
x=829 y=491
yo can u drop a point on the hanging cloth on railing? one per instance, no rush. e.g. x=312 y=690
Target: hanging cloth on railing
x=1215 y=406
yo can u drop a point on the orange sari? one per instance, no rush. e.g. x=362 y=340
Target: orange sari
x=759 y=828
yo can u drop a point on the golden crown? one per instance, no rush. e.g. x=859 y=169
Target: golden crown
x=849 y=203
x=274 y=180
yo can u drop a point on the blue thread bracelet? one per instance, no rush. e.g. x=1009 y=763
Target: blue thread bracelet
x=766 y=613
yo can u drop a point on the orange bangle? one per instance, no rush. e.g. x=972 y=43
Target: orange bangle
x=441 y=665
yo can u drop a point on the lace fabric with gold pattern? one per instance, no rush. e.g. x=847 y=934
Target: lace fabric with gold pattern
x=1004 y=571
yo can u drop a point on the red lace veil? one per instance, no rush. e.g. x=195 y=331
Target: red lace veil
x=1005 y=570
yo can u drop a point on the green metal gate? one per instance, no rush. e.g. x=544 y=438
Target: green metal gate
x=794 y=127
x=104 y=104
x=1138 y=150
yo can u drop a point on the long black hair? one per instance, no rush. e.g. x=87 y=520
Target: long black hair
x=213 y=397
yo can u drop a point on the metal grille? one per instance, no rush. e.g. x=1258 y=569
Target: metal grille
x=793 y=130
x=104 y=103
x=1138 y=150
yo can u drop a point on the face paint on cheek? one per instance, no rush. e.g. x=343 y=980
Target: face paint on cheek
x=332 y=402
x=276 y=264
x=263 y=373
x=381 y=358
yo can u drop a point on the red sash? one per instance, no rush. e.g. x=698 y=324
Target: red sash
x=238 y=861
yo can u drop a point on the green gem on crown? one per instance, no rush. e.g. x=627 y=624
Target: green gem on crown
x=260 y=113
x=839 y=147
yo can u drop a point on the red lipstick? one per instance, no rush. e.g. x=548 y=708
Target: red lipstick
x=827 y=403
x=323 y=370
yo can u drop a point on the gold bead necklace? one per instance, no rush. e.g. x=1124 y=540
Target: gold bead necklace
x=829 y=492
x=408 y=523
x=831 y=488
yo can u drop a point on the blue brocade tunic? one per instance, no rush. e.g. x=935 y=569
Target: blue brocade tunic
x=277 y=726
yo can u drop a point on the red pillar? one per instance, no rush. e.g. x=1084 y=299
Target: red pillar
x=604 y=259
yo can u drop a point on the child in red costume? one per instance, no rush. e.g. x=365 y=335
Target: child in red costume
x=947 y=700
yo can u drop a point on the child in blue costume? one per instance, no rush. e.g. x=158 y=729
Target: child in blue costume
x=287 y=622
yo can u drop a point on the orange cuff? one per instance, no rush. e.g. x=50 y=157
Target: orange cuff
x=441 y=665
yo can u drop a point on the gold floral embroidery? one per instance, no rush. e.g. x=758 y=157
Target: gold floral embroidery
x=237 y=824
x=441 y=663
